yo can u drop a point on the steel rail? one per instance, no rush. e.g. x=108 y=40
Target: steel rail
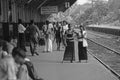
x=108 y=67
x=104 y=46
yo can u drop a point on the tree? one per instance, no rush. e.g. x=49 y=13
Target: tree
x=96 y=12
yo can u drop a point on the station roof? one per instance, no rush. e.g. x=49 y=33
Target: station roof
x=36 y=4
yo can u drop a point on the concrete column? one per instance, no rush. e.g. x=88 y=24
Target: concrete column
x=14 y=12
x=4 y=10
x=5 y=27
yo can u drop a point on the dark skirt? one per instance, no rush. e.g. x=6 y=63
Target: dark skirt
x=82 y=51
x=85 y=53
x=69 y=52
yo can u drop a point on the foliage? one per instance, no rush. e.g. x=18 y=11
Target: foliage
x=101 y=12
x=96 y=12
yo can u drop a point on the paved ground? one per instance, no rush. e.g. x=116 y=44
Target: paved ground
x=49 y=67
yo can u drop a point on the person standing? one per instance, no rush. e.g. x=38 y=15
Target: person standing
x=50 y=32
x=64 y=29
x=58 y=36
x=69 y=50
x=45 y=29
x=34 y=35
x=85 y=44
x=82 y=44
x=21 y=35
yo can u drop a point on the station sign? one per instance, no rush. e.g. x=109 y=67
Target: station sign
x=49 y=9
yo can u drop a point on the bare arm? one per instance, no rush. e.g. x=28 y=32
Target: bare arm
x=38 y=31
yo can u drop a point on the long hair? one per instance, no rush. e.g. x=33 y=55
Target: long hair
x=81 y=29
x=69 y=26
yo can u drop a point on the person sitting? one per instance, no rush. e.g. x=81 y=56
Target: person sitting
x=26 y=69
x=19 y=55
x=8 y=67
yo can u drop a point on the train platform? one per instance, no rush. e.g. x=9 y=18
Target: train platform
x=105 y=26
x=50 y=67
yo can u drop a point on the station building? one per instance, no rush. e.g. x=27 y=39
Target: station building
x=37 y=10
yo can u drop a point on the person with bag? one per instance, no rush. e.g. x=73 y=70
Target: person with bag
x=26 y=69
x=85 y=44
x=22 y=72
x=34 y=34
x=82 y=44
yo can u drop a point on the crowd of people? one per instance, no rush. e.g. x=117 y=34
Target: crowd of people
x=54 y=32
x=14 y=63
x=64 y=34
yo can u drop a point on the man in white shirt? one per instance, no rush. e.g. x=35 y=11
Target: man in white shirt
x=21 y=30
x=65 y=26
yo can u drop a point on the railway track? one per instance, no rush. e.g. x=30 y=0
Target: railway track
x=109 y=41
x=105 y=55
x=109 y=36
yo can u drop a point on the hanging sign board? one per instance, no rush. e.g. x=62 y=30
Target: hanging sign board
x=49 y=9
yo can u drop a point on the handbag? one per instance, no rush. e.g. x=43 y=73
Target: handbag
x=31 y=70
x=85 y=44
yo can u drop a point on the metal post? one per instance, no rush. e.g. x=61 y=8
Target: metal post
x=41 y=4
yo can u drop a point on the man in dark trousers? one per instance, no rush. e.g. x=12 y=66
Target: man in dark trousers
x=34 y=35
x=21 y=35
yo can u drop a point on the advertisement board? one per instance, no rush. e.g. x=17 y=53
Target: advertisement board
x=49 y=9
